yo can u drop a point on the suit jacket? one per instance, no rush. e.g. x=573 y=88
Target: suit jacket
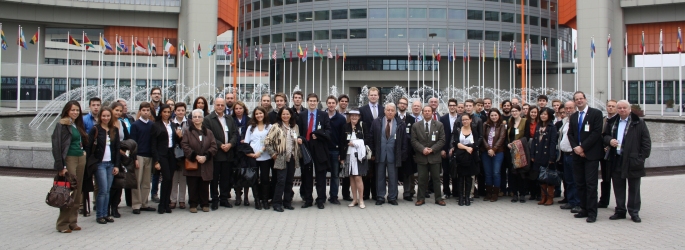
x=445 y=120
x=160 y=141
x=400 y=147
x=421 y=140
x=367 y=116
x=212 y=123
x=591 y=140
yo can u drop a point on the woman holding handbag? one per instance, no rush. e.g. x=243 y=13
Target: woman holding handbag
x=116 y=192
x=163 y=141
x=104 y=143
x=517 y=176
x=282 y=144
x=68 y=139
x=178 y=184
x=255 y=136
x=465 y=143
x=543 y=152
x=353 y=162
x=199 y=147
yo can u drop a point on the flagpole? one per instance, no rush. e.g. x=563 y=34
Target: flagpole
x=320 y=72
x=463 y=75
x=299 y=61
x=133 y=77
x=99 y=70
x=592 y=75
x=343 y=70
x=209 y=71
x=433 y=70
x=661 y=51
x=291 y=72
x=83 y=68
x=495 y=77
x=680 y=74
x=408 y=61
x=468 y=67
x=1 y=58
x=335 y=68
x=165 y=83
x=499 y=84
x=423 y=70
x=328 y=69
x=37 y=64
x=19 y=67
x=164 y=92
x=609 y=72
x=479 y=58
x=116 y=67
x=418 y=72
x=314 y=69
x=454 y=61
x=254 y=73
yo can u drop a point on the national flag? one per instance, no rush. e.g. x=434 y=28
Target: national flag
x=274 y=55
x=299 y=51
x=419 y=57
x=575 y=49
x=680 y=41
x=185 y=51
x=290 y=59
x=344 y=56
x=168 y=47
x=283 y=52
x=239 y=52
x=609 y=46
x=525 y=51
x=544 y=50
x=227 y=49
x=316 y=51
x=423 y=57
x=152 y=46
x=199 y=50
x=34 y=39
x=260 y=55
x=483 y=52
x=625 y=45
x=329 y=55
x=3 y=42
x=213 y=51
x=438 y=53
x=433 y=52
x=408 y=52
x=304 y=56
x=247 y=52
x=511 y=52
x=642 y=45
x=465 y=56
x=661 y=41
x=449 y=54
x=320 y=52
x=121 y=45
x=337 y=56
x=454 y=53
x=87 y=43
x=592 y=48
x=104 y=44
x=494 y=50
x=73 y=41
x=139 y=46
x=514 y=43
x=22 y=41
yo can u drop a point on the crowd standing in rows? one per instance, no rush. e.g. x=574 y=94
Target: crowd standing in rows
x=368 y=152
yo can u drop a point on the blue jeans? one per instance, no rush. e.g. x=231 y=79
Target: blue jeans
x=104 y=179
x=571 y=191
x=492 y=167
x=335 y=177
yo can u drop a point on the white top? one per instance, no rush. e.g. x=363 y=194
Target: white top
x=565 y=145
x=108 y=155
x=452 y=120
x=121 y=130
x=256 y=140
x=465 y=139
x=222 y=120
x=170 y=133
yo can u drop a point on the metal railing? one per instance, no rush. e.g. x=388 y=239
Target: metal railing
x=170 y=3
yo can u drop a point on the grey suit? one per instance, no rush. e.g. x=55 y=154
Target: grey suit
x=434 y=139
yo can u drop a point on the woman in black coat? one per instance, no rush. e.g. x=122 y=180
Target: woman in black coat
x=164 y=139
x=464 y=155
x=104 y=144
x=543 y=151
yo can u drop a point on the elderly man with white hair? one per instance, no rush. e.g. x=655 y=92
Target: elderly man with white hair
x=388 y=142
x=226 y=135
x=629 y=146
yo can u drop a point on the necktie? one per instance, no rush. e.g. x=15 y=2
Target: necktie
x=387 y=129
x=435 y=116
x=374 y=110
x=580 y=124
x=426 y=127
x=311 y=125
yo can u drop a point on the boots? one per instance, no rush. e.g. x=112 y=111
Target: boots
x=494 y=193
x=488 y=192
x=114 y=211
x=459 y=188
x=543 y=194
x=265 y=204
x=257 y=205
x=550 y=195
x=467 y=190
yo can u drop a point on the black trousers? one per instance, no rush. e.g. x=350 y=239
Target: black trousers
x=221 y=184
x=115 y=197
x=198 y=191
x=370 y=181
x=605 y=185
x=283 y=190
x=517 y=184
x=346 y=188
x=463 y=187
x=307 y=188
x=480 y=179
x=585 y=175
x=264 y=180
x=633 y=186
x=446 y=178
x=127 y=192
x=168 y=165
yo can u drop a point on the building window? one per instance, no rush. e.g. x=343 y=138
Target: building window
x=321 y=35
x=492 y=35
x=255 y=40
x=357 y=14
x=291 y=18
x=457 y=14
x=534 y=39
x=377 y=33
x=60 y=86
x=290 y=37
x=553 y=43
x=322 y=15
x=492 y=16
x=305 y=16
x=475 y=14
x=397 y=13
x=442 y=33
x=339 y=14
x=277 y=38
x=417 y=13
x=278 y=2
x=508 y=36
x=544 y=22
x=255 y=5
x=437 y=13
x=277 y=19
x=457 y=34
x=266 y=21
x=418 y=33
x=475 y=34
x=290 y=1
x=544 y=4
x=357 y=33
x=339 y=34
x=305 y=35
x=255 y=23
x=397 y=33
x=266 y=4
x=507 y=1
x=518 y=19
x=507 y=17
x=378 y=13
x=305 y=1
x=534 y=20
x=266 y=39
x=248 y=24
x=554 y=25
x=533 y=3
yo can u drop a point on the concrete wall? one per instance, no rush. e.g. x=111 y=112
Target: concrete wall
x=197 y=24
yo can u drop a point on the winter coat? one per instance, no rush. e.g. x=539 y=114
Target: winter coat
x=635 y=147
x=193 y=146
x=545 y=150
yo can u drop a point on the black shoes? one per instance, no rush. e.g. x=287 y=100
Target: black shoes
x=636 y=218
x=278 y=209
x=289 y=207
x=335 y=201
x=408 y=198
x=462 y=201
x=238 y=201
x=393 y=202
x=581 y=214
x=101 y=220
x=379 y=202
x=306 y=205
x=320 y=205
x=566 y=206
x=265 y=204
x=467 y=202
x=109 y=219
x=564 y=201
x=224 y=204
x=591 y=219
x=148 y=209
x=515 y=198
x=617 y=216
x=115 y=213
x=603 y=205
x=136 y=211
x=576 y=210
x=347 y=198
x=215 y=205
x=257 y=205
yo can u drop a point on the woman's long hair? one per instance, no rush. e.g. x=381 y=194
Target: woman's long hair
x=78 y=122
x=245 y=110
x=550 y=116
x=205 y=109
x=253 y=121
x=112 y=129
x=535 y=120
x=291 y=122
x=499 y=121
x=163 y=107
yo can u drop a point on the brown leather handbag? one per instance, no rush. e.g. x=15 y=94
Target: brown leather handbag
x=191 y=165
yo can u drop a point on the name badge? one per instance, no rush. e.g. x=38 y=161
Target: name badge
x=407 y=130
x=433 y=138
x=128 y=153
x=200 y=138
x=318 y=126
x=349 y=136
x=294 y=135
x=395 y=137
x=587 y=127
x=470 y=139
x=225 y=128
x=516 y=131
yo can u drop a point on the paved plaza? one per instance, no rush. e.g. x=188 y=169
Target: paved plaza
x=28 y=223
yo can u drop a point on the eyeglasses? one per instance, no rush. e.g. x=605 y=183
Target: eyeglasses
x=197 y=117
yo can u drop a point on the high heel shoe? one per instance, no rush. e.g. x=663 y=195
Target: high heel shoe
x=354 y=203
x=361 y=205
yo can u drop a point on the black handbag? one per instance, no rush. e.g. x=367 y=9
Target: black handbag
x=91 y=160
x=306 y=157
x=549 y=176
x=125 y=179
x=244 y=177
x=60 y=195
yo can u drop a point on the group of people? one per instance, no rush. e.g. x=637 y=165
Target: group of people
x=368 y=152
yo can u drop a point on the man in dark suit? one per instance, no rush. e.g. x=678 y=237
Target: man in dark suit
x=585 y=136
x=427 y=139
x=387 y=142
x=448 y=121
x=604 y=168
x=369 y=112
x=227 y=136
x=310 y=121
x=406 y=173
